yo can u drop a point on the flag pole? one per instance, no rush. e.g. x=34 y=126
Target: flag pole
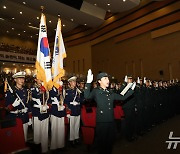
x=61 y=98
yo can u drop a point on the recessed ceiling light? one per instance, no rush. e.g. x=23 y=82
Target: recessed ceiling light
x=13 y=18
x=108 y=4
x=3 y=63
x=31 y=36
x=36 y=34
x=49 y=21
x=29 y=23
x=37 y=17
x=20 y=12
x=14 y=64
x=95 y=4
x=24 y=3
x=72 y=19
x=1 y=19
x=109 y=10
x=85 y=24
x=19 y=34
x=24 y=31
x=64 y=25
x=4 y=7
x=124 y=0
x=12 y=28
x=7 y=31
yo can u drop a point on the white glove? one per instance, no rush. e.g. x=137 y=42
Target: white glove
x=61 y=83
x=16 y=102
x=144 y=80
x=89 y=76
x=30 y=122
x=25 y=110
x=125 y=79
x=44 y=108
x=133 y=86
x=138 y=80
x=75 y=103
x=61 y=108
x=68 y=115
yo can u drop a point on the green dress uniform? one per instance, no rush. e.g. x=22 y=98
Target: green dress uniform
x=105 y=125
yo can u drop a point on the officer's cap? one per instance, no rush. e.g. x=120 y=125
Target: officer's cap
x=129 y=76
x=81 y=81
x=19 y=75
x=73 y=78
x=101 y=75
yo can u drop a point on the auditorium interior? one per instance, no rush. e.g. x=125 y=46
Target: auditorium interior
x=140 y=38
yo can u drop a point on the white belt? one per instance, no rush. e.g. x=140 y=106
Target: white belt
x=19 y=111
x=37 y=106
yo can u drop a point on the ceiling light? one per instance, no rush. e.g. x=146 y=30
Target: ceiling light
x=12 y=28
x=14 y=64
x=36 y=34
x=7 y=31
x=3 y=63
x=23 y=65
x=49 y=21
x=13 y=18
x=64 y=25
x=29 y=23
x=20 y=12
x=109 y=10
x=24 y=31
x=108 y=4
x=95 y=4
x=33 y=27
x=4 y=7
x=124 y=0
x=85 y=24
x=72 y=19
x=19 y=34
x=37 y=17
x=24 y=3
x=1 y=19
x=31 y=36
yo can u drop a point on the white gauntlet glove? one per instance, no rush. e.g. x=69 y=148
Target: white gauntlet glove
x=133 y=86
x=89 y=76
x=30 y=122
x=16 y=102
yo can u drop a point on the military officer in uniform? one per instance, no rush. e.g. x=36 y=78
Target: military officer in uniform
x=105 y=125
x=73 y=100
x=129 y=113
x=17 y=101
x=40 y=114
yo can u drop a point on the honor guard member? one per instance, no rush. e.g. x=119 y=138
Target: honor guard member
x=73 y=100
x=105 y=125
x=40 y=114
x=16 y=100
x=58 y=113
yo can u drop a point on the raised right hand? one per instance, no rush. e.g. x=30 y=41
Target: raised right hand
x=89 y=76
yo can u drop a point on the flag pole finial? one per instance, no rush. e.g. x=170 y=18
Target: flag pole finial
x=42 y=9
